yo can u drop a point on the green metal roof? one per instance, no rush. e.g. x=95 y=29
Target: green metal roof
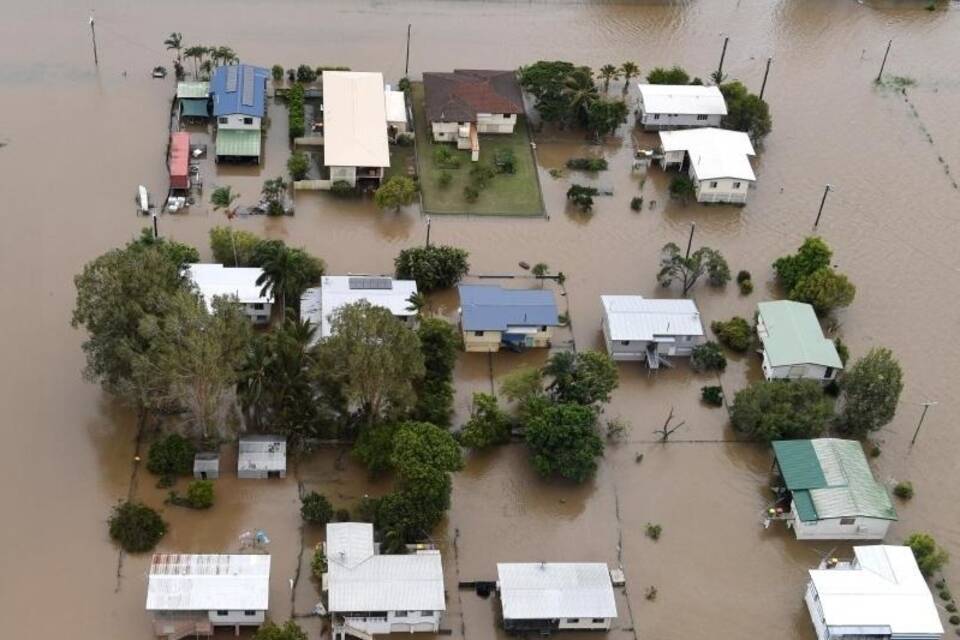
x=794 y=335
x=193 y=89
x=238 y=142
x=831 y=478
x=194 y=108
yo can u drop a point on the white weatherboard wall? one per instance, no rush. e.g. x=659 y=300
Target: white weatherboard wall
x=238 y=121
x=853 y=528
x=496 y=122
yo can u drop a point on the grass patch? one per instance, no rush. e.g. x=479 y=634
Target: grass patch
x=516 y=194
x=401 y=157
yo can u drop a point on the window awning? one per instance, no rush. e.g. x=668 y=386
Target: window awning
x=194 y=108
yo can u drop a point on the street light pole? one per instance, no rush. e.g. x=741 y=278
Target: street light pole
x=926 y=405
x=429 y=221
x=406 y=67
x=723 y=54
x=884 y=63
x=693 y=226
x=823 y=200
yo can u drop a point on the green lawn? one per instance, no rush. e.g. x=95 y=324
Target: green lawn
x=400 y=159
x=508 y=195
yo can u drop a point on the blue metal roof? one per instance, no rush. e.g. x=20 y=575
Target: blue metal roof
x=239 y=88
x=493 y=308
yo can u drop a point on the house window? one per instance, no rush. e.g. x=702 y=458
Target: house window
x=656 y=116
x=847 y=521
x=258 y=306
x=573 y=620
x=249 y=612
x=828 y=373
x=625 y=342
x=222 y=120
x=248 y=121
x=221 y=613
x=599 y=620
x=478 y=333
x=426 y=613
x=543 y=327
x=736 y=185
x=400 y=614
x=713 y=185
x=701 y=116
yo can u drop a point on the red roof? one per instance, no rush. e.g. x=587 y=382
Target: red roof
x=179 y=160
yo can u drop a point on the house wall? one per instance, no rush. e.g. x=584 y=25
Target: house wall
x=231 y=618
x=445 y=131
x=237 y=121
x=488 y=342
x=259 y=474
x=816 y=613
x=411 y=621
x=347 y=174
x=636 y=349
x=860 y=529
x=258 y=316
x=541 y=338
x=585 y=623
x=797 y=371
x=721 y=189
x=660 y=121
x=496 y=122
x=672 y=158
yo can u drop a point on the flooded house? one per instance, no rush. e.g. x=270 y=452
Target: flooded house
x=793 y=343
x=716 y=160
x=825 y=490
x=239 y=95
x=492 y=316
x=648 y=329
x=355 y=145
x=555 y=596
x=193 y=101
x=318 y=304
x=190 y=594
x=879 y=594
x=467 y=102
x=668 y=106
x=206 y=465
x=214 y=280
x=262 y=456
x=369 y=593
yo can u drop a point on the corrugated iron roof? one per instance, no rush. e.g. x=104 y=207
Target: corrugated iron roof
x=262 y=453
x=214 y=280
x=238 y=142
x=714 y=153
x=639 y=318
x=193 y=90
x=354 y=120
x=793 y=335
x=205 y=582
x=239 y=89
x=798 y=464
x=545 y=590
x=684 y=99
x=493 y=308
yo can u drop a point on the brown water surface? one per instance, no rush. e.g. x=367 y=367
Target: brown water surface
x=78 y=140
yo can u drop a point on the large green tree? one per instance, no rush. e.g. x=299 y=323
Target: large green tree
x=434 y=267
x=398 y=191
x=563 y=440
x=745 y=111
x=234 y=248
x=808 y=277
x=287 y=272
x=488 y=424
x=781 y=410
x=544 y=80
x=813 y=255
x=674 y=75
x=581 y=94
x=439 y=342
x=374 y=359
x=870 y=392
x=604 y=116
x=586 y=378
x=674 y=265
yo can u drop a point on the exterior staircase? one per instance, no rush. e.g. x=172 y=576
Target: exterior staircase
x=175 y=628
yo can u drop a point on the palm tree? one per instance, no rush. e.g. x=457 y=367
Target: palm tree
x=195 y=52
x=609 y=72
x=628 y=70
x=207 y=67
x=223 y=55
x=222 y=198
x=580 y=91
x=417 y=302
x=175 y=41
x=540 y=270
x=272 y=192
x=281 y=273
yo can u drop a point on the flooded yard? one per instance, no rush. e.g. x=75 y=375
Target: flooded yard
x=77 y=141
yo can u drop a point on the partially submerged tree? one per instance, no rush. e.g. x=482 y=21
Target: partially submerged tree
x=607 y=73
x=704 y=261
x=488 y=424
x=563 y=440
x=870 y=392
x=544 y=80
x=674 y=75
x=708 y=357
x=136 y=527
x=745 y=111
x=289 y=630
x=736 y=333
x=929 y=555
x=808 y=277
x=287 y=272
x=175 y=41
x=315 y=508
x=587 y=377
x=781 y=410
x=233 y=247
x=223 y=198
x=434 y=267
x=439 y=342
x=604 y=116
x=273 y=191
x=628 y=70
x=298 y=165
x=396 y=192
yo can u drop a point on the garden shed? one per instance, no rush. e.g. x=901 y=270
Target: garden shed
x=206 y=465
x=262 y=456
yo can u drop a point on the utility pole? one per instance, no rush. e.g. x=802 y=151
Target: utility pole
x=926 y=405
x=884 y=63
x=826 y=190
x=429 y=221
x=156 y=231
x=93 y=33
x=406 y=67
x=765 y=74
x=723 y=54
x=693 y=226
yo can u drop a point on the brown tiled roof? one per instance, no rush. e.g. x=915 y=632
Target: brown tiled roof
x=461 y=95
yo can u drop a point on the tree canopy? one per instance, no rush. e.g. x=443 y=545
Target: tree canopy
x=745 y=111
x=870 y=392
x=675 y=266
x=545 y=81
x=781 y=410
x=439 y=342
x=813 y=255
x=289 y=630
x=563 y=440
x=604 y=116
x=673 y=75
x=434 y=267
x=287 y=272
x=136 y=527
x=586 y=378
x=396 y=192
x=930 y=556
x=234 y=248
x=808 y=277
x=488 y=424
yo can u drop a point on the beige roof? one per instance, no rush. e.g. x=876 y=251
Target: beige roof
x=354 y=120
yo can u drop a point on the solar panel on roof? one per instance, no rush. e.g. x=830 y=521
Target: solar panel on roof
x=370 y=283
x=232 y=77
x=247 y=97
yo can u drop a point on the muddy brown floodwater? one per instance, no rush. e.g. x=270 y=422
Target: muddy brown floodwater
x=77 y=141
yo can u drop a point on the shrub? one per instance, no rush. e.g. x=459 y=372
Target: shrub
x=200 y=494
x=587 y=164
x=396 y=192
x=708 y=357
x=434 y=267
x=951 y=607
x=298 y=164
x=945 y=594
x=954 y=619
x=903 y=490
x=505 y=161
x=582 y=196
x=875 y=451
x=405 y=140
x=444 y=179
x=289 y=630
x=735 y=333
x=136 y=527
x=682 y=187
x=746 y=287
x=277 y=72
x=636 y=203
x=341 y=515
x=481 y=175
x=488 y=424
x=471 y=193
x=318 y=565
x=342 y=189
x=653 y=531
x=674 y=75
x=617 y=429
x=781 y=410
x=712 y=395
x=743 y=275
x=843 y=352
x=305 y=73
x=316 y=509
x=170 y=456
x=444 y=158
x=297 y=122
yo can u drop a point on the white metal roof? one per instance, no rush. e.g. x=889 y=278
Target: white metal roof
x=354 y=120
x=318 y=304
x=200 y=582
x=884 y=589
x=538 y=590
x=263 y=452
x=360 y=580
x=213 y=280
x=686 y=99
x=714 y=153
x=396 y=105
x=639 y=318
